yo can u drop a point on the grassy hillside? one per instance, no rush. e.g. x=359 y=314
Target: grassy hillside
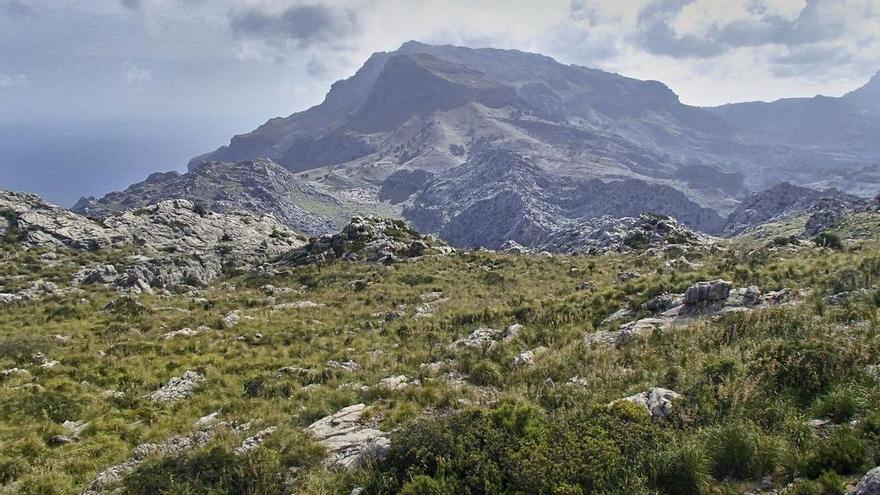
x=473 y=422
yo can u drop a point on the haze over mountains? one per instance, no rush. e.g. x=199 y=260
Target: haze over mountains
x=484 y=146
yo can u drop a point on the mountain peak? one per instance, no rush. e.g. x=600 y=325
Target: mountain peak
x=870 y=89
x=874 y=82
x=413 y=45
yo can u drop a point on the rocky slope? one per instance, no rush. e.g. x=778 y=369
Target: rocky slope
x=500 y=196
x=786 y=201
x=593 y=375
x=609 y=234
x=173 y=242
x=255 y=186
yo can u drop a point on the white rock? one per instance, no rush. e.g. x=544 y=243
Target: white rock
x=657 y=401
x=298 y=305
x=232 y=319
x=255 y=441
x=178 y=388
x=207 y=420
x=349 y=441
x=183 y=332
x=869 y=484
x=394 y=382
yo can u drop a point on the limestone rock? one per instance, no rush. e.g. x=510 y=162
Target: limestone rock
x=869 y=484
x=527 y=358
x=480 y=338
x=707 y=292
x=255 y=441
x=258 y=186
x=347 y=439
x=658 y=402
x=394 y=382
x=178 y=388
x=371 y=239
x=177 y=243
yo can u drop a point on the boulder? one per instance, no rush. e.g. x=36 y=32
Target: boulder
x=527 y=358
x=707 y=292
x=658 y=402
x=394 y=382
x=347 y=439
x=232 y=319
x=869 y=484
x=480 y=338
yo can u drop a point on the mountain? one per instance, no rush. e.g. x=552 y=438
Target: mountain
x=487 y=145
x=816 y=141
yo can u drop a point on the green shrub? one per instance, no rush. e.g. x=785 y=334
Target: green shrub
x=485 y=373
x=211 y=470
x=805 y=368
x=11 y=468
x=828 y=484
x=850 y=278
x=681 y=469
x=839 y=405
x=843 y=452
x=515 y=449
x=829 y=240
x=740 y=451
x=423 y=485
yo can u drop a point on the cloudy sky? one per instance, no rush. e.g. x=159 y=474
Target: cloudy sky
x=202 y=69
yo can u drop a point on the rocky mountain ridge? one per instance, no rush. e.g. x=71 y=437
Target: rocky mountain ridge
x=256 y=186
x=786 y=201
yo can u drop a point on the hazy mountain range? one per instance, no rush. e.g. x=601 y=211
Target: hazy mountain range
x=486 y=145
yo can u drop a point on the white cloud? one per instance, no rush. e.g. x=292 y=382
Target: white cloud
x=285 y=53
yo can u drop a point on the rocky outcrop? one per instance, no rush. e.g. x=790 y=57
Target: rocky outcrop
x=706 y=298
x=257 y=187
x=368 y=239
x=658 y=402
x=178 y=388
x=707 y=292
x=609 y=234
x=37 y=290
x=170 y=447
x=176 y=242
x=786 y=200
x=349 y=441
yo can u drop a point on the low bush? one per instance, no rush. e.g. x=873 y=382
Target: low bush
x=805 y=368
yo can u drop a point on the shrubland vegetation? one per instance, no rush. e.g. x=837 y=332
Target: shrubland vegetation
x=751 y=381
